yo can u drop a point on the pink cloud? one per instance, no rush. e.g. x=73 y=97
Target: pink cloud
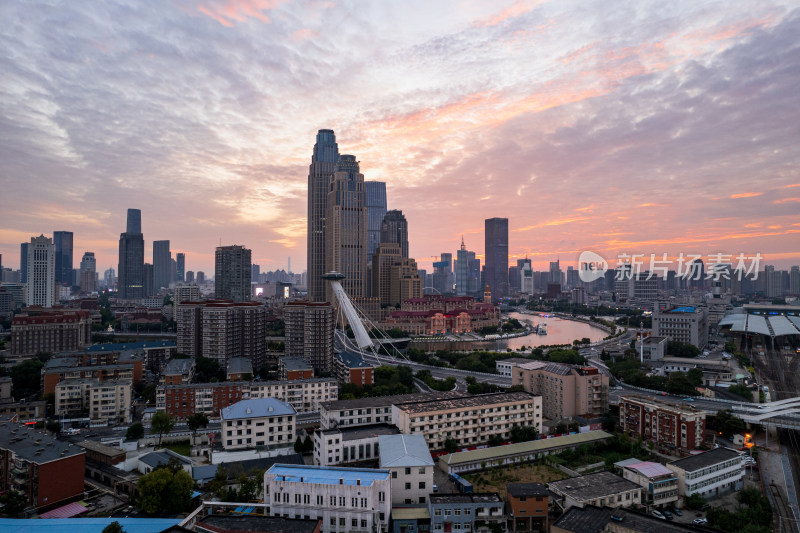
x=226 y=12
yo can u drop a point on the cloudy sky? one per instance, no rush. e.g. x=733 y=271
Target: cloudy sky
x=619 y=127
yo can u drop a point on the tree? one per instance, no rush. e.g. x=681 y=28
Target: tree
x=53 y=426
x=682 y=349
x=164 y=490
x=728 y=424
x=308 y=445
x=149 y=393
x=695 y=501
x=13 y=503
x=162 y=424
x=298 y=445
x=450 y=445
x=135 y=431
x=26 y=378
x=207 y=369
x=523 y=433
x=113 y=527
x=197 y=421
x=742 y=391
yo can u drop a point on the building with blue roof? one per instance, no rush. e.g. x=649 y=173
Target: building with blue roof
x=345 y=499
x=85 y=525
x=258 y=423
x=684 y=324
x=411 y=464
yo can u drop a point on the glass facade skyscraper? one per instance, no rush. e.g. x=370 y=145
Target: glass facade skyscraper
x=162 y=265
x=376 y=210
x=496 y=236
x=131 y=276
x=63 y=243
x=323 y=165
x=394 y=228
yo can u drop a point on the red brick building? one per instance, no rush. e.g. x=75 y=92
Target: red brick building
x=127 y=366
x=292 y=368
x=436 y=314
x=50 y=331
x=351 y=368
x=672 y=427
x=528 y=507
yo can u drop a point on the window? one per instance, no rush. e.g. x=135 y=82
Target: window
x=408 y=486
x=408 y=471
x=354 y=522
x=437 y=512
x=342 y=522
x=422 y=484
x=363 y=524
x=394 y=474
x=381 y=496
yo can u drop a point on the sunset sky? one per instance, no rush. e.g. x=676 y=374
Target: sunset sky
x=618 y=127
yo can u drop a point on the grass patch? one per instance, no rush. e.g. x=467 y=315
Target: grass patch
x=495 y=479
x=181 y=447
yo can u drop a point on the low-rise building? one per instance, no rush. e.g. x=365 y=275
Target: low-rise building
x=466 y=512
x=660 y=484
x=239 y=368
x=294 y=367
x=373 y=410
x=101 y=453
x=256 y=423
x=149 y=462
x=24 y=411
x=345 y=499
x=349 y=367
x=670 y=426
x=710 y=473
x=156 y=353
x=178 y=372
x=469 y=420
x=504 y=367
x=603 y=489
x=409 y=460
x=566 y=390
x=126 y=366
x=44 y=470
x=528 y=506
x=348 y=445
x=653 y=348
x=231 y=523
x=605 y=519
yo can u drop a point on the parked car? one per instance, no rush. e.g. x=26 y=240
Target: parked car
x=658 y=514
x=700 y=521
x=667 y=515
x=677 y=511
x=705 y=507
x=688 y=399
x=435 y=488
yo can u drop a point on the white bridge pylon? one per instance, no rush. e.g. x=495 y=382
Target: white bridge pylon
x=362 y=337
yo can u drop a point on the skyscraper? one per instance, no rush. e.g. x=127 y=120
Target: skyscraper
x=555 y=272
x=162 y=265
x=462 y=270
x=88 y=272
x=148 y=288
x=323 y=165
x=496 y=235
x=109 y=277
x=180 y=266
x=232 y=273
x=443 y=278
x=376 y=210
x=62 y=241
x=394 y=228
x=23 y=262
x=346 y=246
x=41 y=272
x=130 y=269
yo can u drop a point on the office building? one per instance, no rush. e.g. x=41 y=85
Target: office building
x=600 y=489
x=394 y=228
x=526 y=279
x=465 y=512
x=409 y=460
x=180 y=267
x=394 y=278
x=674 y=427
x=346 y=233
x=350 y=445
x=687 y=324
x=467 y=276
x=376 y=210
x=88 y=272
x=45 y=471
x=110 y=279
x=200 y=277
x=309 y=333
x=131 y=271
x=566 y=390
x=162 y=265
x=232 y=273
x=470 y=420
x=323 y=165
x=257 y=422
x=528 y=506
x=189 y=276
x=496 y=235
x=23 y=262
x=63 y=243
x=148 y=287
x=41 y=272
x=710 y=473
x=51 y=332
x=434 y=314
x=345 y=499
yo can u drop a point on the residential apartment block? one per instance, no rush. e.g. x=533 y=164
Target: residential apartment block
x=348 y=445
x=566 y=390
x=409 y=460
x=345 y=499
x=102 y=401
x=118 y=366
x=469 y=420
x=309 y=332
x=710 y=473
x=659 y=483
x=367 y=411
x=601 y=489
x=464 y=512
x=671 y=426
x=257 y=422
x=349 y=367
x=528 y=507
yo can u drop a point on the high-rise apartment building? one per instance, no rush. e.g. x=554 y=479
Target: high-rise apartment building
x=162 y=259
x=88 y=272
x=394 y=228
x=180 y=267
x=496 y=235
x=309 y=333
x=323 y=165
x=131 y=272
x=346 y=244
x=232 y=273
x=41 y=272
x=63 y=243
x=376 y=210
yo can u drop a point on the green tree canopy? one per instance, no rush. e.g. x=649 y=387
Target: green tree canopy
x=197 y=421
x=113 y=527
x=26 y=378
x=135 y=431
x=164 y=490
x=162 y=424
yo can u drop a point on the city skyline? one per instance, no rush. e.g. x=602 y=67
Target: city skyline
x=677 y=133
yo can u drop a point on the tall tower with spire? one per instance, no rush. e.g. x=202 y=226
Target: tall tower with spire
x=323 y=165
x=463 y=259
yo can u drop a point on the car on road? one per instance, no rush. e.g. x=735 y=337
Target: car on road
x=435 y=488
x=658 y=514
x=700 y=521
x=688 y=399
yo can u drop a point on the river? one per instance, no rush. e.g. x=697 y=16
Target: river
x=559 y=331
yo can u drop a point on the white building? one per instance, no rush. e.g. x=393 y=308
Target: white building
x=659 y=483
x=102 y=401
x=710 y=473
x=684 y=324
x=345 y=499
x=505 y=367
x=257 y=422
x=409 y=460
x=41 y=272
x=601 y=489
x=367 y=411
x=341 y=446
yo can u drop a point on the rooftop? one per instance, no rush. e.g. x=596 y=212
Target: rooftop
x=235 y=468
x=553 y=368
x=86 y=525
x=591 y=519
x=352 y=360
x=705 y=459
x=515 y=360
x=650 y=469
x=348 y=433
x=273 y=524
x=404 y=450
x=34 y=446
x=683 y=309
x=162 y=457
x=256 y=408
x=527 y=489
x=411 y=513
x=240 y=365
x=654 y=340
x=327 y=475
x=120 y=347
x=251 y=384
x=478 y=400
x=476 y=497
x=100 y=448
x=386 y=401
x=591 y=486
x=295 y=363
x=178 y=366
